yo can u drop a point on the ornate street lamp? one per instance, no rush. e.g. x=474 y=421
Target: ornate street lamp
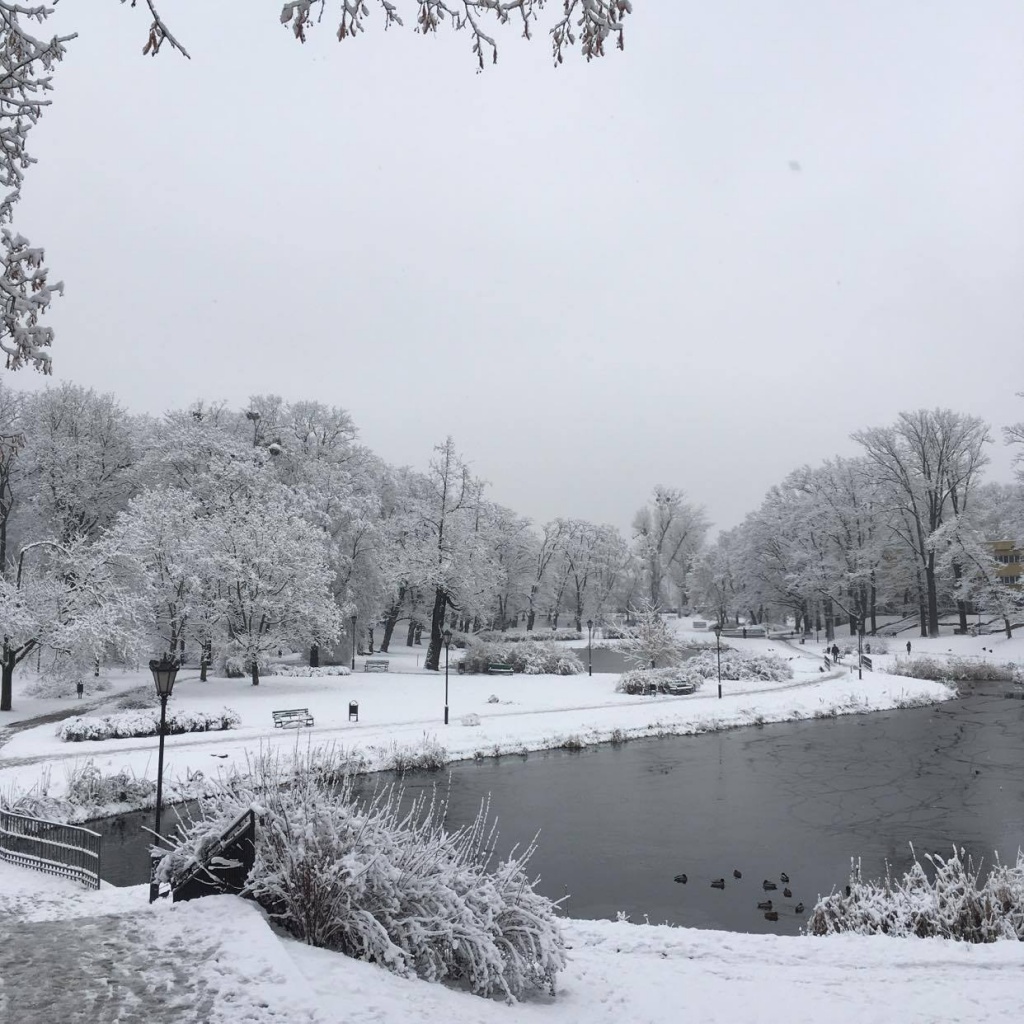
x=446 y=636
x=590 y=647
x=164 y=672
x=353 y=643
x=718 y=642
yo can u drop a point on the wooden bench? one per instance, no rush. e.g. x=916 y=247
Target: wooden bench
x=498 y=669
x=375 y=665
x=294 y=716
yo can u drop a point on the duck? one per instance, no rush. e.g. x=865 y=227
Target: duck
x=680 y=878
x=771 y=915
x=784 y=878
x=736 y=873
x=768 y=886
x=788 y=893
x=798 y=909
x=765 y=905
x=718 y=883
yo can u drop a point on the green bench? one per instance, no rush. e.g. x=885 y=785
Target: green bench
x=295 y=716
x=375 y=665
x=498 y=669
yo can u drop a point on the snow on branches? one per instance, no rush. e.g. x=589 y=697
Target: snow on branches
x=26 y=64
x=593 y=22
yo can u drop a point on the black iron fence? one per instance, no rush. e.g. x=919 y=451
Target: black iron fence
x=69 y=851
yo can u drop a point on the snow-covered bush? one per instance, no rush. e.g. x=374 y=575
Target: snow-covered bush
x=529 y=659
x=954 y=904
x=145 y=723
x=428 y=755
x=952 y=670
x=515 y=636
x=735 y=666
x=618 y=632
x=381 y=880
x=675 y=680
x=305 y=672
x=89 y=787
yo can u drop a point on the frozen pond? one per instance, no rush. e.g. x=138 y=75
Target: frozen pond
x=617 y=823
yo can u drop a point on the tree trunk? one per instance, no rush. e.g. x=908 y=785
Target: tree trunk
x=933 y=598
x=433 y=658
x=255 y=672
x=529 y=620
x=410 y=635
x=369 y=639
x=1009 y=629
x=6 y=679
x=314 y=656
x=390 y=621
x=874 y=606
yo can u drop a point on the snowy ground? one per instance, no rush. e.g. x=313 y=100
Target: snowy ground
x=405 y=707
x=216 y=961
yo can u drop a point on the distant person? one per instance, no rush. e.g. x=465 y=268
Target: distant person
x=835 y=652
x=744 y=632
x=908 y=648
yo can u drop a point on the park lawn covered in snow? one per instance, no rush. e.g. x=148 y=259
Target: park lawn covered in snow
x=404 y=708
x=220 y=950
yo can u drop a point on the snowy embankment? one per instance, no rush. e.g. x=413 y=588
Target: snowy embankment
x=404 y=707
x=221 y=947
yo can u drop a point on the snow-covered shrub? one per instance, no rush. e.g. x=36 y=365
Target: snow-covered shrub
x=952 y=670
x=618 y=632
x=515 y=636
x=304 y=671
x=138 y=699
x=381 y=880
x=428 y=755
x=954 y=904
x=145 y=723
x=529 y=659
x=89 y=787
x=675 y=680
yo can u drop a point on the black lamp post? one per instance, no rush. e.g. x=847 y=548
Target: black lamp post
x=353 y=643
x=718 y=642
x=590 y=647
x=164 y=672
x=447 y=637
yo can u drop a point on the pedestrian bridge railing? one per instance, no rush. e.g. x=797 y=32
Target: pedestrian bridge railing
x=68 y=851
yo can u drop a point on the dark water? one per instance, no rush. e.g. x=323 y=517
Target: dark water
x=606 y=660
x=618 y=823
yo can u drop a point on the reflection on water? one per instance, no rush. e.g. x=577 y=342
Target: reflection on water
x=617 y=824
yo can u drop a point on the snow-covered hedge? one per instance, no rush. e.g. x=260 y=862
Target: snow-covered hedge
x=515 y=636
x=145 y=723
x=305 y=672
x=735 y=666
x=383 y=882
x=954 y=904
x=529 y=659
x=954 y=670
x=675 y=680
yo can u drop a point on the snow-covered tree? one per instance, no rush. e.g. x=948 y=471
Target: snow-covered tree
x=667 y=532
x=271 y=576
x=928 y=461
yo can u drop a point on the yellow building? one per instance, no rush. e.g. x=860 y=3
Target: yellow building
x=1011 y=562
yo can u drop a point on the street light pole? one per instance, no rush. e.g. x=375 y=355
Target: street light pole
x=447 y=637
x=353 y=643
x=164 y=672
x=718 y=642
x=590 y=647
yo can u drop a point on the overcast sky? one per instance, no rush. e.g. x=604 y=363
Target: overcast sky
x=700 y=262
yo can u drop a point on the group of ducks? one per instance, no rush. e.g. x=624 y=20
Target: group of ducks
x=770 y=913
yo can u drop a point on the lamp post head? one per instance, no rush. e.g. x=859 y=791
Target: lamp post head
x=718 y=631
x=447 y=637
x=590 y=623
x=164 y=672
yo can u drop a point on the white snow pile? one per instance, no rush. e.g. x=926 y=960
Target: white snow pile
x=382 y=881
x=145 y=722
x=951 y=905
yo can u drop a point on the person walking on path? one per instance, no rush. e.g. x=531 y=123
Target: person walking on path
x=835 y=652
x=908 y=648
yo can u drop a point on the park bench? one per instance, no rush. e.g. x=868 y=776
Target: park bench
x=497 y=669
x=375 y=665
x=294 y=716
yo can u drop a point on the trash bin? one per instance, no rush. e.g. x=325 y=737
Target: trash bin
x=353 y=711
x=461 y=668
